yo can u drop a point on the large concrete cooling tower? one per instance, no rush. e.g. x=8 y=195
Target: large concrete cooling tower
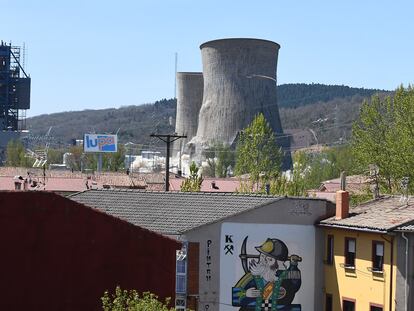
x=239 y=82
x=189 y=100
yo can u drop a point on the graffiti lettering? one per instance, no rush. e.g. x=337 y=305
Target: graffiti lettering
x=229 y=238
x=300 y=209
x=208 y=261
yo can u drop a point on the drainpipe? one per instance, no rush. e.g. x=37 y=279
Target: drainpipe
x=406 y=271
x=392 y=265
x=391 y=270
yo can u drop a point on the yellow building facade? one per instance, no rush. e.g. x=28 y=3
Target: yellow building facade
x=367 y=281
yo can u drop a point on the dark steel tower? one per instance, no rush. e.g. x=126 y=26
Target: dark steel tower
x=14 y=95
x=14 y=88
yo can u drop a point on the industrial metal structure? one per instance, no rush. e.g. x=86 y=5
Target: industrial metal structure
x=14 y=94
x=189 y=100
x=14 y=88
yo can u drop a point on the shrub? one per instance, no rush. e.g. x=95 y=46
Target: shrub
x=131 y=300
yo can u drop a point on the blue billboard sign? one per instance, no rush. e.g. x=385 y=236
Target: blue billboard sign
x=100 y=143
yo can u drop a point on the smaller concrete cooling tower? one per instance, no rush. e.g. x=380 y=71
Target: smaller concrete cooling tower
x=189 y=100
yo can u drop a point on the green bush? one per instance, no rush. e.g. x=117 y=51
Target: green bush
x=131 y=300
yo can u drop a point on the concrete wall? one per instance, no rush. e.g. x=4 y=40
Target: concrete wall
x=234 y=93
x=404 y=283
x=231 y=99
x=189 y=100
x=289 y=211
x=61 y=255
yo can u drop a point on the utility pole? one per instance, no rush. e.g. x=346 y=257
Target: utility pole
x=168 y=138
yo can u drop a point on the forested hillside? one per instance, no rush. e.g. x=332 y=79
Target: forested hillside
x=133 y=123
x=301 y=94
x=327 y=109
x=322 y=122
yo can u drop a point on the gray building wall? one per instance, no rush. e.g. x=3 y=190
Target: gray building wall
x=285 y=211
x=189 y=100
x=404 y=278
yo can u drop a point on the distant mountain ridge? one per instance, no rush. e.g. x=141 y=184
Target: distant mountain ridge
x=136 y=123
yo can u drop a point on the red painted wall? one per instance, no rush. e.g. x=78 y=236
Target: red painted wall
x=57 y=254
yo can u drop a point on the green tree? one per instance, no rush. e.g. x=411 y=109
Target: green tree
x=76 y=157
x=220 y=158
x=114 y=161
x=55 y=155
x=372 y=137
x=310 y=169
x=16 y=154
x=257 y=153
x=13 y=153
x=225 y=160
x=298 y=182
x=210 y=154
x=131 y=300
x=384 y=136
x=401 y=136
x=194 y=181
x=343 y=159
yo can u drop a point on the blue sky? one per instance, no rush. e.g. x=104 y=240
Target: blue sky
x=99 y=54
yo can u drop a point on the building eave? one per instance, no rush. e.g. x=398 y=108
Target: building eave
x=344 y=227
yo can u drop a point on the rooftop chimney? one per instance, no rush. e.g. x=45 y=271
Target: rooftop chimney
x=342 y=204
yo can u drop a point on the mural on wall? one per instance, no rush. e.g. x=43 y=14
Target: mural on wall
x=267 y=267
x=268 y=282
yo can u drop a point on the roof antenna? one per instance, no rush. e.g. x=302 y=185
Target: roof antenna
x=373 y=173
x=404 y=190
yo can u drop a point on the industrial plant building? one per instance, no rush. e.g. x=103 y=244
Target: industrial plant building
x=238 y=82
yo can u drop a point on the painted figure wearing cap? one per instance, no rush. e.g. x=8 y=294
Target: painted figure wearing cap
x=268 y=283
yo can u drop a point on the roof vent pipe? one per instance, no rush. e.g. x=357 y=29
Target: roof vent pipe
x=343 y=181
x=342 y=204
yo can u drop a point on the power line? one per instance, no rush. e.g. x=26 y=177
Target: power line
x=168 y=139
